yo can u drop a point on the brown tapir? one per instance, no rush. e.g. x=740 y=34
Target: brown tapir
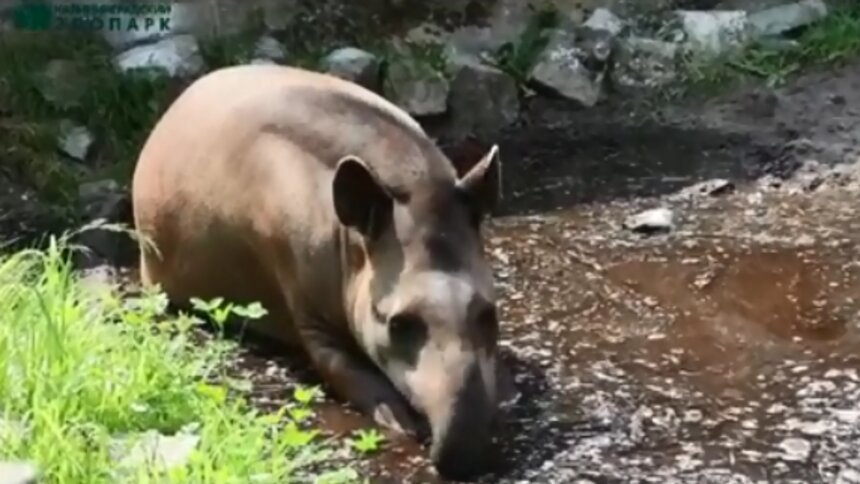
x=333 y=208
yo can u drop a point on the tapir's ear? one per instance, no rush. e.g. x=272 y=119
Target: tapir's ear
x=483 y=182
x=360 y=201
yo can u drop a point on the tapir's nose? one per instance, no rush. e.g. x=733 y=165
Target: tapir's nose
x=461 y=445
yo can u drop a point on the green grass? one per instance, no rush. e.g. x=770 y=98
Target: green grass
x=119 y=109
x=833 y=39
x=80 y=366
x=519 y=58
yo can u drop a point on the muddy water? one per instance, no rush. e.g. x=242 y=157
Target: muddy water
x=682 y=359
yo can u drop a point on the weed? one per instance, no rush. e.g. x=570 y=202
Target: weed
x=833 y=39
x=518 y=58
x=119 y=108
x=78 y=368
x=367 y=441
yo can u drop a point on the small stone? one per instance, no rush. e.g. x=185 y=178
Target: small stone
x=651 y=221
x=848 y=476
x=602 y=19
x=644 y=63
x=136 y=28
x=784 y=18
x=819 y=427
x=795 y=449
x=75 y=140
x=154 y=449
x=354 y=65
x=177 y=56
x=18 y=473
x=417 y=88
x=267 y=47
x=560 y=70
x=714 y=187
x=715 y=32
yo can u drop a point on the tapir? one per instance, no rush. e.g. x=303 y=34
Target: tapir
x=333 y=208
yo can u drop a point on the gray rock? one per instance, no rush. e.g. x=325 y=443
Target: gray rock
x=644 y=63
x=604 y=20
x=152 y=449
x=355 y=65
x=124 y=30
x=417 y=88
x=18 y=473
x=267 y=47
x=75 y=140
x=848 y=476
x=560 y=69
x=483 y=100
x=712 y=33
x=714 y=187
x=795 y=449
x=427 y=33
x=177 y=56
x=99 y=279
x=62 y=83
x=506 y=22
x=262 y=61
x=651 y=221
x=781 y=19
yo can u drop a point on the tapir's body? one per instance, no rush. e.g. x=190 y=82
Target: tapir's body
x=332 y=208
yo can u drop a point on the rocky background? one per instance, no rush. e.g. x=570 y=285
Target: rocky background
x=465 y=69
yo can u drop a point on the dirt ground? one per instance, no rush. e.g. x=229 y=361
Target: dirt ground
x=722 y=351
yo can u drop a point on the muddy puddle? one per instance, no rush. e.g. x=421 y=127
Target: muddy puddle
x=671 y=360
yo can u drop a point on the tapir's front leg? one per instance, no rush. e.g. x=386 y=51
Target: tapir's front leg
x=354 y=379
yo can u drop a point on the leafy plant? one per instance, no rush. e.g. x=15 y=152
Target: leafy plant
x=518 y=58
x=367 y=441
x=79 y=368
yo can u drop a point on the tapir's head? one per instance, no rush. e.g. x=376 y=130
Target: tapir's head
x=425 y=308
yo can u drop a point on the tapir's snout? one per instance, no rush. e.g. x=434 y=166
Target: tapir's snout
x=461 y=445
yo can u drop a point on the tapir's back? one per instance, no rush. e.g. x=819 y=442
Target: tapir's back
x=238 y=172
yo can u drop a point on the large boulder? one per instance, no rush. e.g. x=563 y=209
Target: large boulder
x=177 y=56
x=483 y=100
x=560 y=69
x=355 y=65
x=783 y=18
x=714 y=33
x=416 y=87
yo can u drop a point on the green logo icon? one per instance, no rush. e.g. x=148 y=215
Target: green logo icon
x=32 y=16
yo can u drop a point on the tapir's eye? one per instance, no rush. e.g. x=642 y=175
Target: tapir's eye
x=407 y=330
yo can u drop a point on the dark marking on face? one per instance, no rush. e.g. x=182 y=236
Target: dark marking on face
x=408 y=334
x=446 y=236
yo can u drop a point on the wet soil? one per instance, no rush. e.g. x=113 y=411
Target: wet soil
x=723 y=351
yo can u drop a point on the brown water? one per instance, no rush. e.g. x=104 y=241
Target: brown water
x=687 y=358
